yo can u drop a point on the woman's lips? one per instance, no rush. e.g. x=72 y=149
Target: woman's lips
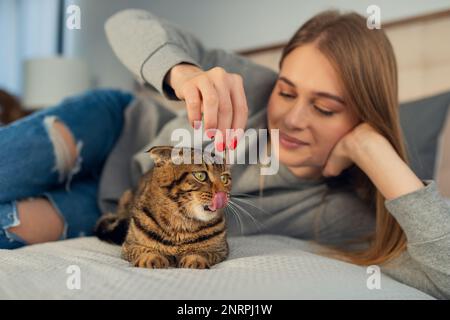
x=290 y=142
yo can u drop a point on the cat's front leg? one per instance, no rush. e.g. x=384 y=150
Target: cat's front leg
x=215 y=257
x=203 y=260
x=143 y=257
x=193 y=261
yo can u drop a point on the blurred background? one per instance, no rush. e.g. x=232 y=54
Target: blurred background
x=31 y=29
x=42 y=60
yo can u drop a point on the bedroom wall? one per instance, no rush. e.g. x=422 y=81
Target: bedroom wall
x=277 y=19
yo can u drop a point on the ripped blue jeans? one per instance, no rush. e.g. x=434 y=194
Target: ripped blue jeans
x=34 y=160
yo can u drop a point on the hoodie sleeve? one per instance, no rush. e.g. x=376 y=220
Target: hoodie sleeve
x=424 y=215
x=149 y=46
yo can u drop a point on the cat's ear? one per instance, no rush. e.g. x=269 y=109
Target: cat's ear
x=161 y=154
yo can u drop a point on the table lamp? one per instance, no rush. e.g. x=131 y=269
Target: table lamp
x=47 y=81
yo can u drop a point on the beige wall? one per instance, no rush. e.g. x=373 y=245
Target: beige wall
x=423 y=55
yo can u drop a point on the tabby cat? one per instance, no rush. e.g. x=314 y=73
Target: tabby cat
x=175 y=217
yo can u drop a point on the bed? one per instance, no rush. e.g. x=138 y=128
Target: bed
x=259 y=267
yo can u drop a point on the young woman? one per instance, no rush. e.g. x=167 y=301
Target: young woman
x=343 y=180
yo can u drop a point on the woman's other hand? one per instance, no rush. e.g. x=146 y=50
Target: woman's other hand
x=374 y=155
x=346 y=150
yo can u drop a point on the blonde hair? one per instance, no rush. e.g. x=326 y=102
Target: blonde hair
x=365 y=61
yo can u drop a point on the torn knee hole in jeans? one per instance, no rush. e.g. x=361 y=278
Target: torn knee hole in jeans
x=63 y=157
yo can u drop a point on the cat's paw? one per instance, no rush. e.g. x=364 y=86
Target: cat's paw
x=151 y=261
x=193 y=261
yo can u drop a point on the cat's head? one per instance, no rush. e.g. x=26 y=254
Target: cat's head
x=200 y=190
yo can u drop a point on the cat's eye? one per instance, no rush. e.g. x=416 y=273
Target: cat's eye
x=200 y=175
x=225 y=178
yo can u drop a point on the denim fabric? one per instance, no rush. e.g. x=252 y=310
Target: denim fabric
x=29 y=164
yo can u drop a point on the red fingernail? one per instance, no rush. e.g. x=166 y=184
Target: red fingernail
x=210 y=134
x=221 y=147
x=233 y=144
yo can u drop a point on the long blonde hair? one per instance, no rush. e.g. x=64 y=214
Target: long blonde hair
x=365 y=61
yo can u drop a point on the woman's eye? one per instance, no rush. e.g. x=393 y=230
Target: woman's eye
x=224 y=178
x=286 y=95
x=289 y=96
x=200 y=175
x=326 y=113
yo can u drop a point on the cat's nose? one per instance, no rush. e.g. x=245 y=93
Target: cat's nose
x=220 y=200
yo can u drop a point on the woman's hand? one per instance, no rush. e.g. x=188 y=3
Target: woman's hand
x=377 y=158
x=217 y=94
x=344 y=153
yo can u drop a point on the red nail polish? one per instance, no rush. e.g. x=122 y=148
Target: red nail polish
x=210 y=134
x=233 y=144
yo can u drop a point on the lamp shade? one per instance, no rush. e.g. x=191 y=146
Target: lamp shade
x=49 y=80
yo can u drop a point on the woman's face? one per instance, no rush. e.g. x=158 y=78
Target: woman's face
x=306 y=105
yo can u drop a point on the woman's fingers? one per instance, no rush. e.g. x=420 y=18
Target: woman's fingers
x=210 y=104
x=240 y=111
x=193 y=104
x=225 y=113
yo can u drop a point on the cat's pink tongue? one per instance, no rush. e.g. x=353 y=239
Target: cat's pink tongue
x=219 y=201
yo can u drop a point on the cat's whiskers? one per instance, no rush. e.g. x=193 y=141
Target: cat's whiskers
x=252 y=204
x=257 y=223
x=236 y=215
x=244 y=194
x=245 y=211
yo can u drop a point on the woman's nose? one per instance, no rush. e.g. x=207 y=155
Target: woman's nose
x=297 y=117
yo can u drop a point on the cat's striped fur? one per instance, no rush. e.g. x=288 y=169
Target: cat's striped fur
x=175 y=216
